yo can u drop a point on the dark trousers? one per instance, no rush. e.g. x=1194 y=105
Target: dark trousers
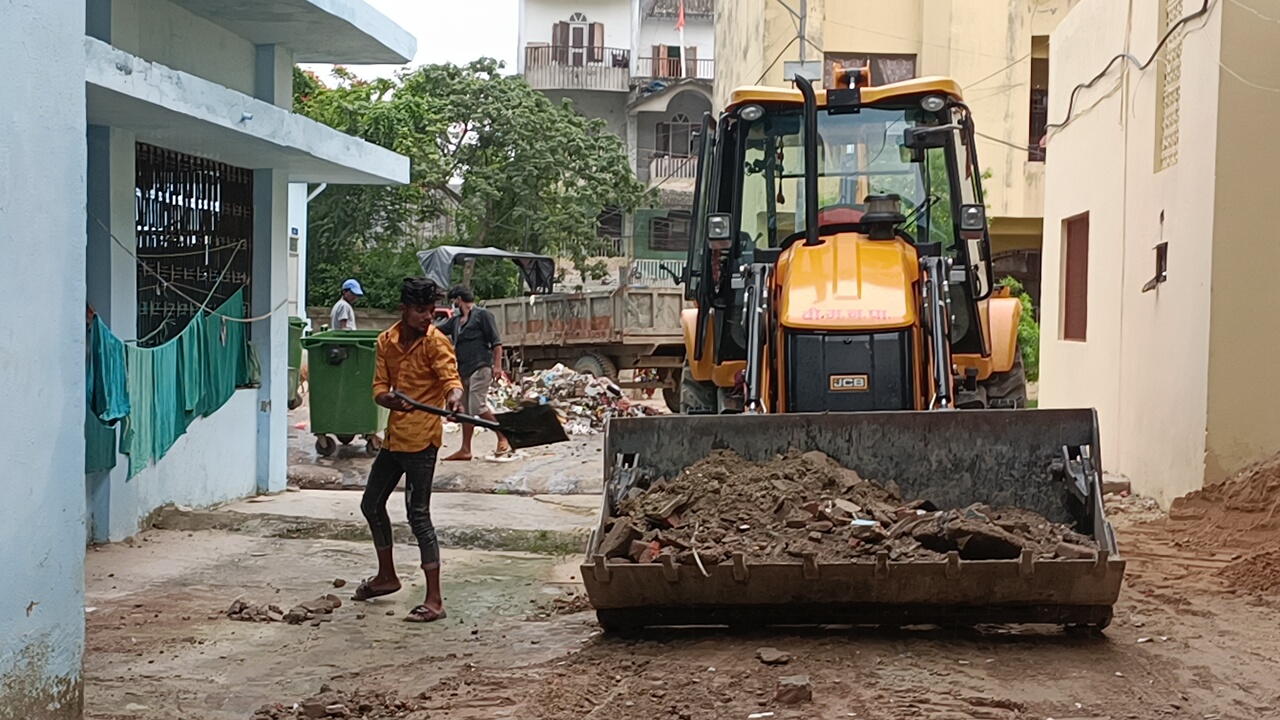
x=418 y=469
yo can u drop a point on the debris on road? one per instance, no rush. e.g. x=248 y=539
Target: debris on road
x=806 y=504
x=773 y=656
x=793 y=690
x=339 y=583
x=584 y=402
x=311 y=610
x=334 y=704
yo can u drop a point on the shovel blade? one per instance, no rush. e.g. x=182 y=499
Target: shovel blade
x=532 y=426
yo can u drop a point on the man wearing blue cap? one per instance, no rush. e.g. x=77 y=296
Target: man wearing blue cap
x=343 y=316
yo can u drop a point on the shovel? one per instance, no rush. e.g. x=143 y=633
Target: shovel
x=525 y=428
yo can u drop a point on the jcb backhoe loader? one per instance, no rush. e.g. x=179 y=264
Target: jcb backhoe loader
x=845 y=304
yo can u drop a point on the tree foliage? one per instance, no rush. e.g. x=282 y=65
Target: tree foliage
x=534 y=175
x=1028 y=330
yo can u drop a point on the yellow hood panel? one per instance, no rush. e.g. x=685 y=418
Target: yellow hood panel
x=848 y=282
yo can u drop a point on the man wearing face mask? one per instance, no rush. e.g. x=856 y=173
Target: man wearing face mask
x=479 y=347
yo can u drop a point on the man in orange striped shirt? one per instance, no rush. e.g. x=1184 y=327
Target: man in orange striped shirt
x=416 y=359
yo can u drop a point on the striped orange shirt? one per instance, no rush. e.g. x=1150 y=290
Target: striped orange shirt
x=426 y=372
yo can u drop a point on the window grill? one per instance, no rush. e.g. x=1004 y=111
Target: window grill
x=195 y=232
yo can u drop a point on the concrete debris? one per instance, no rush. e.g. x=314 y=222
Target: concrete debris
x=793 y=690
x=584 y=402
x=805 y=505
x=339 y=583
x=772 y=656
x=307 y=611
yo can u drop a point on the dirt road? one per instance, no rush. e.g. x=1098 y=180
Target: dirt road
x=1197 y=635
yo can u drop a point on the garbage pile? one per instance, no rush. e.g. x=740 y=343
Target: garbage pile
x=584 y=402
x=806 y=505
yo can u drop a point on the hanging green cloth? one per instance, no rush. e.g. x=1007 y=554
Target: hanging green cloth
x=106 y=396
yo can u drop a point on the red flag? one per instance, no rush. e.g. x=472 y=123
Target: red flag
x=680 y=17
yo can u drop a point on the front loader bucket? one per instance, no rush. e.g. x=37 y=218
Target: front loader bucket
x=1047 y=461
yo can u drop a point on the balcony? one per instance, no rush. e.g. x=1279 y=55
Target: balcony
x=551 y=67
x=650 y=68
x=703 y=9
x=664 y=169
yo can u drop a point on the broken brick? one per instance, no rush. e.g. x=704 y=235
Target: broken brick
x=793 y=690
x=822 y=526
x=618 y=540
x=1075 y=552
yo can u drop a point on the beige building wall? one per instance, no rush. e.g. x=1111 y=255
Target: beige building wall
x=1145 y=362
x=1244 y=340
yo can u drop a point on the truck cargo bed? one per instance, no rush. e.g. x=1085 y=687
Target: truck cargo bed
x=1046 y=461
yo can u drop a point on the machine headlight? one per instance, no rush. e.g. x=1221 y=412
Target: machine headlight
x=933 y=103
x=751 y=113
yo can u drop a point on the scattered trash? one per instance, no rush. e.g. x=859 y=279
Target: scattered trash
x=753 y=716
x=584 y=402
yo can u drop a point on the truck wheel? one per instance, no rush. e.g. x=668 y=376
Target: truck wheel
x=696 y=398
x=597 y=365
x=1008 y=390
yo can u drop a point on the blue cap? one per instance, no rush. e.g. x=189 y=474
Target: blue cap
x=353 y=286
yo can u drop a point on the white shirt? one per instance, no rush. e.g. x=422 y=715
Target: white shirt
x=342 y=310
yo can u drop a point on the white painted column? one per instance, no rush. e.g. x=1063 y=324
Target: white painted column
x=42 y=359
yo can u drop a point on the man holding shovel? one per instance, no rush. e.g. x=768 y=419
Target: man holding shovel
x=415 y=360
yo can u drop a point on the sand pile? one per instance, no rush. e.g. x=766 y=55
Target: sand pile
x=802 y=504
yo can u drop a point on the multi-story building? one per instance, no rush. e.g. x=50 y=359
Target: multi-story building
x=646 y=67
x=998 y=52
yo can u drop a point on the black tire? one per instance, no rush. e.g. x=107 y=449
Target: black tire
x=295 y=403
x=597 y=365
x=1008 y=390
x=696 y=397
x=326 y=445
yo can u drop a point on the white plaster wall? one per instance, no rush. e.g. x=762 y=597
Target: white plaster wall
x=164 y=33
x=214 y=462
x=539 y=16
x=608 y=106
x=298 y=265
x=1086 y=374
x=42 y=351
x=1146 y=362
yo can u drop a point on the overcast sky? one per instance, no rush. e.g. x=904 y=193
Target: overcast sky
x=455 y=31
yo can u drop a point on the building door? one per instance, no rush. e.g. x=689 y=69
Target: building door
x=578 y=35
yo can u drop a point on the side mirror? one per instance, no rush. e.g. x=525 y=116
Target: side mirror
x=973 y=218
x=719 y=233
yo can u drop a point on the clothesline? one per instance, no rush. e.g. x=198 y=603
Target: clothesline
x=156 y=393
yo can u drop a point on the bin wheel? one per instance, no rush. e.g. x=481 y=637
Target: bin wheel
x=346 y=439
x=325 y=445
x=295 y=403
x=372 y=444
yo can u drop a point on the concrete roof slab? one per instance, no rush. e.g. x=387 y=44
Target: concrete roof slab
x=318 y=31
x=180 y=111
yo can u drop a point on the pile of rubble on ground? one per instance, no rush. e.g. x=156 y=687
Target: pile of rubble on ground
x=330 y=703
x=807 y=504
x=315 y=611
x=584 y=402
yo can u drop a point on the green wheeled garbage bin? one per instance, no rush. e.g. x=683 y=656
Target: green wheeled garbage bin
x=340 y=367
x=297 y=326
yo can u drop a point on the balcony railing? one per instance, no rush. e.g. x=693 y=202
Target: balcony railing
x=675 y=68
x=552 y=67
x=692 y=9
x=662 y=169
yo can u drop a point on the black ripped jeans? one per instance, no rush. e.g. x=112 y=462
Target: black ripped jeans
x=418 y=469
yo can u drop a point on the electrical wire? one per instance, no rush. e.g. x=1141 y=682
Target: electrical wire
x=1141 y=66
x=1250 y=83
x=769 y=67
x=1003 y=69
x=1255 y=12
x=916 y=41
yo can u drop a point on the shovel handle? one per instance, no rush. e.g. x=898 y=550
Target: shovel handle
x=468 y=419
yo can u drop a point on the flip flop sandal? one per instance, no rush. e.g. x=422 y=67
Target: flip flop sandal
x=424 y=614
x=364 y=591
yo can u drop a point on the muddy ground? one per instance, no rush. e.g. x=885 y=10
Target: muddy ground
x=1197 y=635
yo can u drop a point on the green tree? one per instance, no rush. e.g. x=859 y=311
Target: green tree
x=1028 y=330
x=534 y=175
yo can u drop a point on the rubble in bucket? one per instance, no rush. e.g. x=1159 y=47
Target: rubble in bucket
x=584 y=402
x=807 y=504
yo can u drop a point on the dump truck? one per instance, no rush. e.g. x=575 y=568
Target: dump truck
x=845 y=304
x=598 y=332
